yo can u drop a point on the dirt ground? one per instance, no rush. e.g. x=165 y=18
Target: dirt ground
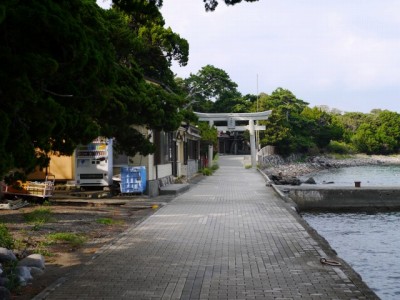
x=83 y=219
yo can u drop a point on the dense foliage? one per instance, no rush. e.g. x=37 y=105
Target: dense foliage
x=379 y=134
x=293 y=126
x=212 y=90
x=210 y=5
x=71 y=71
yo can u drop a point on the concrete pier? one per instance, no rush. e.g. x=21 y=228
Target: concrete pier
x=228 y=237
x=325 y=197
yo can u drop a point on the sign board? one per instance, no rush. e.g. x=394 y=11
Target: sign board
x=231 y=123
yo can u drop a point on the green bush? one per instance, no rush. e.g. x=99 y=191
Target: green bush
x=313 y=150
x=9 y=267
x=340 y=148
x=10 y=271
x=215 y=167
x=6 y=240
x=206 y=171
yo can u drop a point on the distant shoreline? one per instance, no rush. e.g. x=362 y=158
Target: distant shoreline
x=291 y=167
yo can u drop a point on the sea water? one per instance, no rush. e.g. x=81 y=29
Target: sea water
x=369 y=242
x=382 y=175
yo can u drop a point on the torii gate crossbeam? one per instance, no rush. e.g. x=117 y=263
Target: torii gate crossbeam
x=231 y=119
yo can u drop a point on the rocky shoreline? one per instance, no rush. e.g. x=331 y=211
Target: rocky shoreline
x=287 y=170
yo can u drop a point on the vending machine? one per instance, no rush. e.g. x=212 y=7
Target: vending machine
x=94 y=163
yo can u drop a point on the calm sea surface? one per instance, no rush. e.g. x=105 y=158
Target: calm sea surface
x=370 y=243
x=368 y=175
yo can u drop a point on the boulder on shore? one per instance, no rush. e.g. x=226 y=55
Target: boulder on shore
x=310 y=180
x=281 y=180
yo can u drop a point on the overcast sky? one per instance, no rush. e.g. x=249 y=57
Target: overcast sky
x=342 y=53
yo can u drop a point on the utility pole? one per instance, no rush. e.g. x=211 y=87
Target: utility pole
x=257 y=132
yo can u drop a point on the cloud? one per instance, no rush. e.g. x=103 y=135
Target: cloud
x=340 y=53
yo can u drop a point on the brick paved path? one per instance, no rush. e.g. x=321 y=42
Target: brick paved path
x=228 y=237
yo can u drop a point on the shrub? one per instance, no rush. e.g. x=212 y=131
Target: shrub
x=206 y=171
x=10 y=272
x=313 y=150
x=340 y=148
x=9 y=267
x=6 y=240
x=215 y=167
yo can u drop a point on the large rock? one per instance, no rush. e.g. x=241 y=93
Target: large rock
x=36 y=271
x=291 y=181
x=4 y=293
x=7 y=255
x=33 y=260
x=278 y=179
x=4 y=281
x=24 y=275
x=310 y=180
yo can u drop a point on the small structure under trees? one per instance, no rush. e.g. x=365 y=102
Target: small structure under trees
x=230 y=119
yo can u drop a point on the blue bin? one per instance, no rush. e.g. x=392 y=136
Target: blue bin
x=133 y=180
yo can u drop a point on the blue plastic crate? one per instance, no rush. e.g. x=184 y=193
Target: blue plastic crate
x=133 y=179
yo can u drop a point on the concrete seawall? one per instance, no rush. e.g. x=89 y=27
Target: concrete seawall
x=309 y=197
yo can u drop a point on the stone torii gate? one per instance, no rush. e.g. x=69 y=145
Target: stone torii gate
x=230 y=119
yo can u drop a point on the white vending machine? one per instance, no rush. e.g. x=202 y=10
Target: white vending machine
x=94 y=163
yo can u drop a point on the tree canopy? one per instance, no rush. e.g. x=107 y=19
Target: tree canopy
x=72 y=71
x=293 y=126
x=212 y=90
x=210 y=5
x=285 y=126
x=380 y=134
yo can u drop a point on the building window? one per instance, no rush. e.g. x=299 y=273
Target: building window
x=164 y=143
x=192 y=149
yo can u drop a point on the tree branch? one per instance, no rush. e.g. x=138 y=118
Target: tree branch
x=56 y=94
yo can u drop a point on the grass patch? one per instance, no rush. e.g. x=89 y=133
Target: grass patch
x=44 y=252
x=41 y=248
x=248 y=166
x=39 y=216
x=109 y=221
x=73 y=239
x=6 y=240
x=46 y=202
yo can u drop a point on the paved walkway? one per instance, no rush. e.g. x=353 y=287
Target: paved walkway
x=228 y=237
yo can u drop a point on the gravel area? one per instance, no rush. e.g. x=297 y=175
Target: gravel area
x=84 y=220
